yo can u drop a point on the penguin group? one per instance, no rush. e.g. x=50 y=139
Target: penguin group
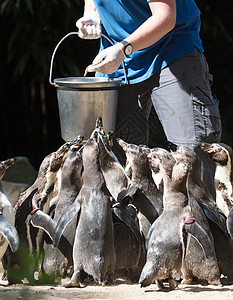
x=102 y=208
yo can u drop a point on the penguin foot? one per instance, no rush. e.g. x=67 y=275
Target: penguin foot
x=186 y=281
x=173 y=284
x=70 y=284
x=216 y=282
x=161 y=286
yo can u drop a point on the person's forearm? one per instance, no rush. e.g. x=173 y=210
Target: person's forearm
x=89 y=5
x=163 y=20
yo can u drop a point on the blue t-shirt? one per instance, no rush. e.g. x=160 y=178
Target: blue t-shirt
x=122 y=17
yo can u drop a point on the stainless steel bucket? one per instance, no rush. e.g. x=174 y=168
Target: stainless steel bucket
x=81 y=100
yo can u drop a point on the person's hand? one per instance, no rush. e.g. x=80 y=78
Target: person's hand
x=89 y=25
x=108 y=60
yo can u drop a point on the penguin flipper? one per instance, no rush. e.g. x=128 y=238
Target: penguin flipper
x=214 y=218
x=139 y=199
x=44 y=221
x=145 y=206
x=129 y=192
x=126 y=218
x=229 y=223
x=10 y=233
x=150 y=232
x=195 y=230
x=65 y=219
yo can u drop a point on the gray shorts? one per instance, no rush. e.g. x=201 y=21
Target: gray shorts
x=182 y=98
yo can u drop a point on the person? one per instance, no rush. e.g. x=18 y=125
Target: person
x=154 y=46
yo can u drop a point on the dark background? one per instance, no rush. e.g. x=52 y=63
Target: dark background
x=29 y=32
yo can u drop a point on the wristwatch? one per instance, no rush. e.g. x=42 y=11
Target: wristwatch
x=128 y=48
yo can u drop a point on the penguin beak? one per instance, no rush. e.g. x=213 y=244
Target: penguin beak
x=104 y=140
x=151 y=157
x=64 y=148
x=110 y=138
x=122 y=144
x=209 y=148
x=99 y=123
x=78 y=140
x=7 y=163
x=205 y=147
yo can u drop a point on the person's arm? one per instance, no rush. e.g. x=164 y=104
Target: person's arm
x=90 y=24
x=89 y=5
x=162 y=21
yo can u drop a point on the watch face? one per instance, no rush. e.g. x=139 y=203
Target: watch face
x=128 y=49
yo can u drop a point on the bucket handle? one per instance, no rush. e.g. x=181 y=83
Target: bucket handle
x=55 y=50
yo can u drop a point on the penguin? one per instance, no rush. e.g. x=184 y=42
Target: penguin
x=94 y=231
x=129 y=245
x=168 y=238
x=222 y=155
x=45 y=196
x=29 y=205
x=141 y=179
x=199 y=194
x=114 y=173
x=58 y=261
x=8 y=234
x=116 y=148
x=116 y=179
x=53 y=193
x=157 y=173
x=28 y=243
x=197 y=188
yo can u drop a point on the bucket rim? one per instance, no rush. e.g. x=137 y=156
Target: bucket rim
x=87 y=82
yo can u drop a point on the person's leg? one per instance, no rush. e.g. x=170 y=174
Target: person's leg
x=134 y=105
x=186 y=108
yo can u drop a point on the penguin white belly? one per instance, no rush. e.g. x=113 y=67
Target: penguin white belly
x=8 y=212
x=3 y=245
x=221 y=203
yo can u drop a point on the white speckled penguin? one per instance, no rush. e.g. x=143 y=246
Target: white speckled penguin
x=222 y=155
x=8 y=233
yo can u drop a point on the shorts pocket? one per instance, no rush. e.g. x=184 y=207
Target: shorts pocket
x=207 y=120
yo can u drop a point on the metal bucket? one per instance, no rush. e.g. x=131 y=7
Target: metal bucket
x=81 y=100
